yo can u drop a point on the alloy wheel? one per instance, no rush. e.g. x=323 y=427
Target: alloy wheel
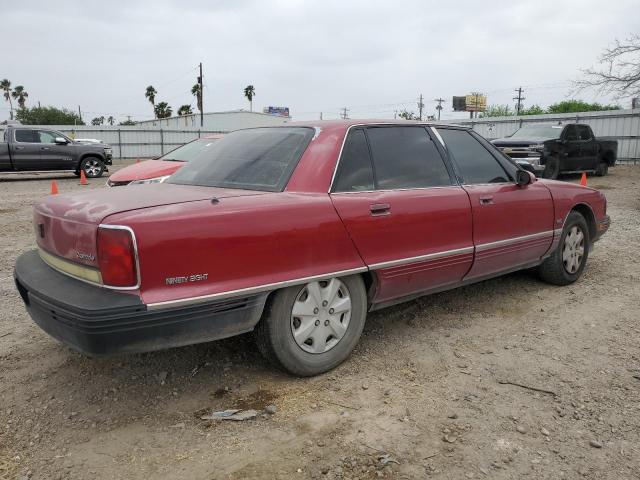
x=92 y=167
x=573 y=249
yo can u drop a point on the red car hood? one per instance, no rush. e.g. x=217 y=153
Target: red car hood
x=145 y=170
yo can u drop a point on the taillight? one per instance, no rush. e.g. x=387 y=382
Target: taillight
x=117 y=256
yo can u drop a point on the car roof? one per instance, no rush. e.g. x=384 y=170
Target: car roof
x=355 y=121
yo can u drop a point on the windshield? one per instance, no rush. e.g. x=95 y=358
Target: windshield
x=190 y=151
x=539 y=131
x=252 y=159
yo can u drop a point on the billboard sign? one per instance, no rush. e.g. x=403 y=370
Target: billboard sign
x=281 y=111
x=470 y=103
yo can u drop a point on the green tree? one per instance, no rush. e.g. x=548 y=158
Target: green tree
x=111 y=120
x=5 y=86
x=498 y=111
x=576 y=106
x=163 y=110
x=20 y=94
x=533 y=110
x=250 y=92
x=185 y=110
x=197 y=92
x=98 y=120
x=150 y=94
x=127 y=123
x=407 y=115
x=48 y=116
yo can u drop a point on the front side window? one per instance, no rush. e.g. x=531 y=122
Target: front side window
x=252 y=159
x=46 y=136
x=26 y=136
x=405 y=157
x=571 y=133
x=584 y=133
x=475 y=163
x=355 y=173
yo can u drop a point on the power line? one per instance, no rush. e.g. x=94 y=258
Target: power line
x=519 y=98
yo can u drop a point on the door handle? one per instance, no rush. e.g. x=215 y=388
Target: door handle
x=378 y=209
x=19 y=148
x=45 y=148
x=486 y=200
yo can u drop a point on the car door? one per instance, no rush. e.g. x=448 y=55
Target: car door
x=408 y=219
x=54 y=156
x=25 y=149
x=572 y=158
x=513 y=226
x=588 y=149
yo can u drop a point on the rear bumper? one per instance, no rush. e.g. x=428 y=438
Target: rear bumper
x=98 y=321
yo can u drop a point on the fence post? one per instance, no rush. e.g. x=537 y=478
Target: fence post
x=161 y=142
x=120 y=144
x=198 y=133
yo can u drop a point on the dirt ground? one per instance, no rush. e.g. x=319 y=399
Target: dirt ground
x=442 y=387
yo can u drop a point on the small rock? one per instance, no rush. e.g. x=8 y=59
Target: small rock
x=320 y=443
x=449 y=438
x=178 y=425
x=452 y=416
x=595 y=444
x=162 y=377
x=365 y=387
x=271 y=409
x=521 y=429
x=544 y=432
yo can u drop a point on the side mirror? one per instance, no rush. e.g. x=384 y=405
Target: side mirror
x=61 y=141
x=523 y=178
x=562 y=141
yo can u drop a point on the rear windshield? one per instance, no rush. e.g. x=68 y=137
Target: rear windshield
x=190 y=151
x=252 y=159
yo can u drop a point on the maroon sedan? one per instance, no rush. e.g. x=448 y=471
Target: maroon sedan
x=296 y=232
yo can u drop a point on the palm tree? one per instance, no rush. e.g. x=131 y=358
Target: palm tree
x=20 y=94
x=6 y=86
x=250 y=92
x=196 y=91
x=162 y=110
x=150 y=93
x=185 y=110
x=111 y=120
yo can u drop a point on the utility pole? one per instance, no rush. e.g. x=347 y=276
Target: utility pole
x=344 y=113
x=519 y=98
x=201 y=106
x=79 y=113
x=420 y=107
x=320 y=115
x=439 y=107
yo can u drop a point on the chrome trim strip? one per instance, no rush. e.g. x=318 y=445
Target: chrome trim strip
x=398 y=189
x=557 y=232
x=250 y=290
x=437 y=134
x=43 y=254
x=421 y=258
x=135 y=254
x=509 y=241
x=335 y=169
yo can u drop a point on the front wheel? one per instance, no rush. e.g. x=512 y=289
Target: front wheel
x=310 y=329
x=567 y=263
x=93 y=167
x=602 y=170
x=551 y=168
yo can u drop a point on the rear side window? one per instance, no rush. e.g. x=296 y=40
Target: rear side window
x=584 y=133
x=405 y=157
x=475 y=163
x=355 y=173
x=251 y=159
x=26 y=136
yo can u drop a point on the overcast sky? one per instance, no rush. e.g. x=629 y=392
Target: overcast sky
x=371 y=56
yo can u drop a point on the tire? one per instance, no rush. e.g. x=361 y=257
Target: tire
x=602 y=170
x=551 y=168
x=314 y=351
x=93 y=167
x=567 y=263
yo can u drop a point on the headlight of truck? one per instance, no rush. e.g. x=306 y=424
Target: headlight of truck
x=107 y=151
x=150 y=180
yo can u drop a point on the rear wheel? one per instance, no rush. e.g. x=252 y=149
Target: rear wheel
x=551 y=168
x=310 y=329
x=567 y=263
x=93 y=167
x=603 y=169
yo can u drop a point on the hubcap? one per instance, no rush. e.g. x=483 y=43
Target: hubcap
x=92 y=168
x=320 y=315
x=573 y=249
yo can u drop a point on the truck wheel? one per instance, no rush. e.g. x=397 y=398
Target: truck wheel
x=551 y=168
x=93 y=167
x=602 y=170
x=568 y=261
x=310 y=329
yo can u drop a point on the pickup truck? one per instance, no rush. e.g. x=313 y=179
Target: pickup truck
x=24 y=148
x=549 y=150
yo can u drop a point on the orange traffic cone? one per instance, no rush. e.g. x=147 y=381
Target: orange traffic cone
x=137 y=160
x=54 y=187
x=583 y=180
x=83 y=178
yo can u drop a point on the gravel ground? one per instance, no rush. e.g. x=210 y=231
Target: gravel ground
x=509 y=378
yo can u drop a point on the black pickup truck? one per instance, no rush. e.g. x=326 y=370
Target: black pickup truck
x=24 y=148
x=549 y=150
